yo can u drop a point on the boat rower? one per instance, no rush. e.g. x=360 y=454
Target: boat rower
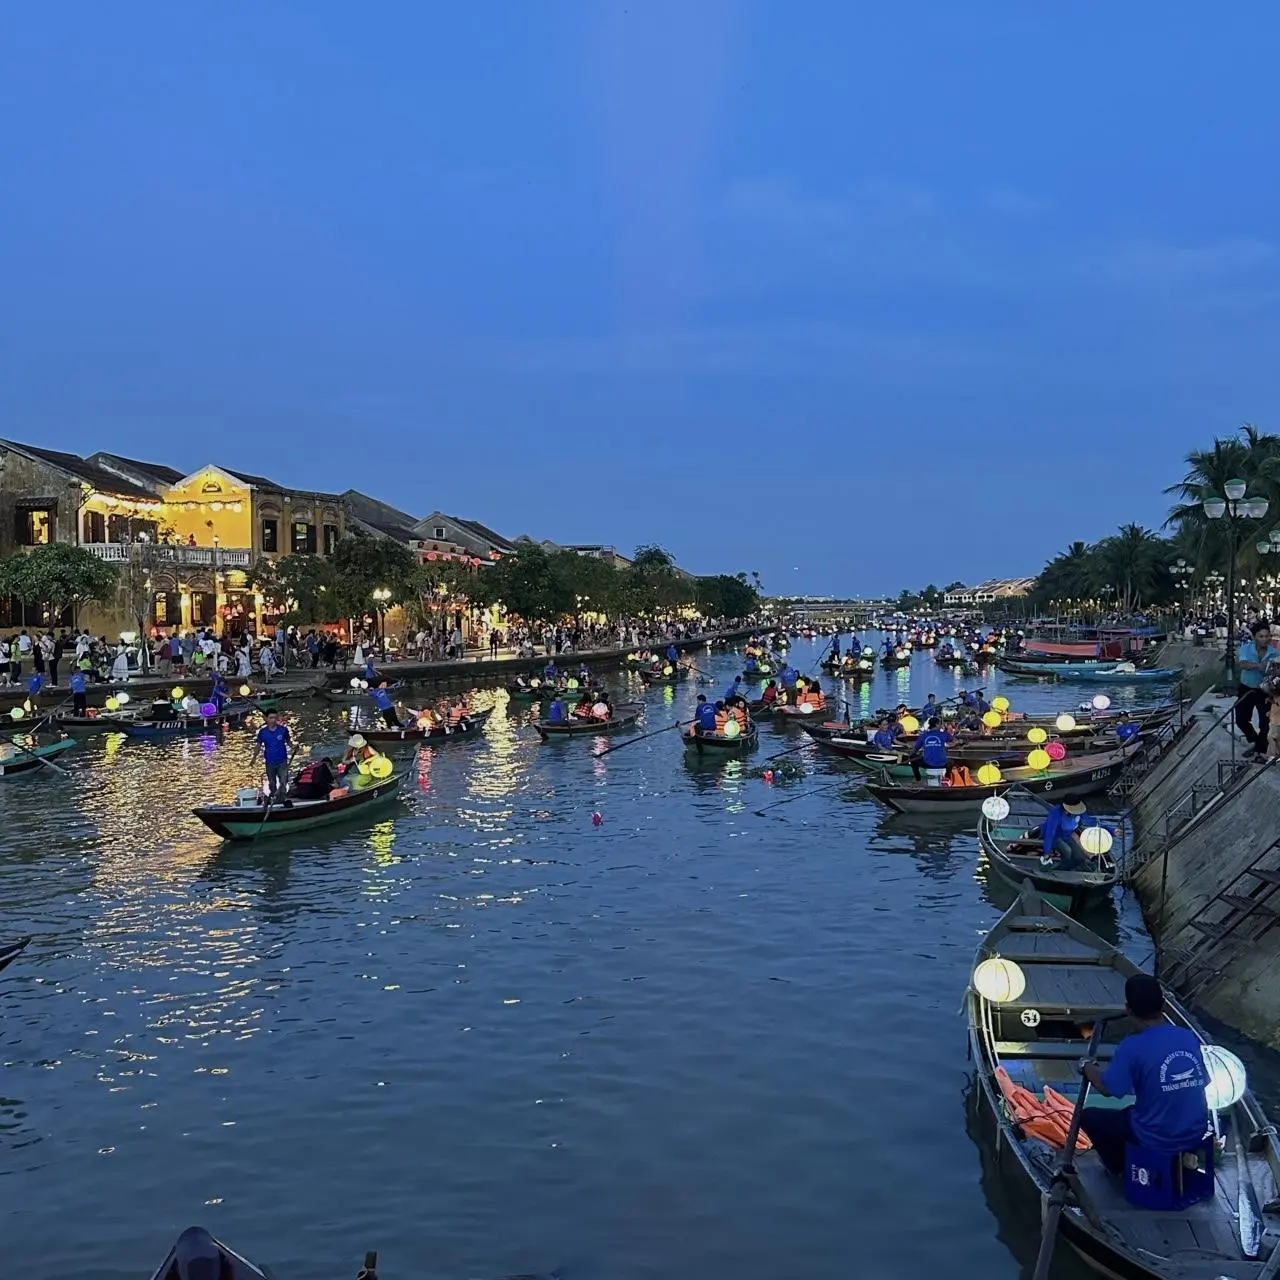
x=1060 y=833
x=931 y=752
x=704 y=718
x=386 y=706
x=273 y=744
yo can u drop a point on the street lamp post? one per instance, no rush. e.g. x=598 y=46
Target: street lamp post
x=1181 y=574
x=1235 y=508
x=381 y=595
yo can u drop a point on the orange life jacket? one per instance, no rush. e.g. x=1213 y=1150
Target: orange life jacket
x=722 y=719
x=740 y=715
x=456 y=713
x=1048 y=1119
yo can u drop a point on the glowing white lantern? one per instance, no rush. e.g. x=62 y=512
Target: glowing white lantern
x=1096 y=840
x=355 y=682
x=1065 y=723
x=122 y=698
x=995 y=809
x=806 y=708
x=732 y=729
x=1101 y=702
x=1227 y=1080
x=998 y=980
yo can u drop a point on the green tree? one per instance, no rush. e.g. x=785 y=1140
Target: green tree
x=1074 y=574
x=727 y=596
x=301 y=588
x=1135 y=562
x=363 y=564
x=57 y=577
x=528 y=584
x=655 y=585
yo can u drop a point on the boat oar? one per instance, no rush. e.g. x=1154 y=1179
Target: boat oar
x=1248 y=1214
x=653 y=733
x=1066 y=1171
x=788 y=752
x=57 y=768
x=816 y=791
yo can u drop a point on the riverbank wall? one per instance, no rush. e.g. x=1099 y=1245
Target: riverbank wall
x=450 y=673
x=1205 y=866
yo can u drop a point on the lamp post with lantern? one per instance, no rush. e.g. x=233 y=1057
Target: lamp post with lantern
x=381 y=598
x=1181 y=573
x=1234 y=507
x=1269 y=546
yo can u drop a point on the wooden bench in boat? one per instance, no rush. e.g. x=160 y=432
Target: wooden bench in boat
x=1067 y=1050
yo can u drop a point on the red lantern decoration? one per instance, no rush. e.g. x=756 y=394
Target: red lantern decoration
x=446 y=556
x=431 y=555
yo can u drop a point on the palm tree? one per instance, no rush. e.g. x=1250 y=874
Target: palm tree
x=1136 y=562
x=1071 y=575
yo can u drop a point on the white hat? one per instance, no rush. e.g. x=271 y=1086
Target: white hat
x=356 y=740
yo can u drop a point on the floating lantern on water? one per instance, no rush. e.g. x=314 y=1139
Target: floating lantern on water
x=768 y=775
x=597 y=818
x=998 y=980
x=1101 y=702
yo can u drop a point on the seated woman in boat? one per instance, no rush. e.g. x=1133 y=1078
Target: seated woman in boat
x=601 y=710
x=357 y=750
x=315 y=780
x=814 y=697
x=457 y=715
x=722 y=717
x=1162 y=1066
x=770 y=694
x=884 y=737
x=738 y=710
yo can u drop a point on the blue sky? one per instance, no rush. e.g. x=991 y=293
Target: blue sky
x=856 y=295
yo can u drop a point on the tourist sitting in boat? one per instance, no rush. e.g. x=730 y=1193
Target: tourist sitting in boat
x=750 y=665
x=930 y=709
x=457 y=715
x=582 y=708
x=357 y=750
x=814 y=697
x=315 y=780
x=1126 y=729
x=1060 y=833
x=551 y=671
x=556 y=711
x=1162 y=1067
x=884 y=737
x=931 y=752
x=770 y=694
x=386 y=706
x=738 y=710
x=704 y=717
x=722 y=717
x=584 y=676
x=601 y=710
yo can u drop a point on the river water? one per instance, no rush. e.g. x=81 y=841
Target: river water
x=487 y=1036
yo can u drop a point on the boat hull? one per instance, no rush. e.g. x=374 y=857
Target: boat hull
x=233 y=822
x=714 y=746
x=25 y=762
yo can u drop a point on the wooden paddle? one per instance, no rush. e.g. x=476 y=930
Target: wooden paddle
x=1065 y=1171
x=26 y=752
x=788 y=752
x=816 y=791
x=653 y=733
x=1250 y=1218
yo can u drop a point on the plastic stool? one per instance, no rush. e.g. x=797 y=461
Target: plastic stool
x=1158 y=1180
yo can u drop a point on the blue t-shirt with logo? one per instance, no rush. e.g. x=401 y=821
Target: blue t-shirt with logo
x=1249 y=653
x=932 y=745
x=1164 y=1070
x=275 y=743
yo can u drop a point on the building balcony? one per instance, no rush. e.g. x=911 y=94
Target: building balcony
x=207 y=557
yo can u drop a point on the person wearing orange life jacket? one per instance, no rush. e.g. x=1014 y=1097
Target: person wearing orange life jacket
x=315 y=780
x=739 y=713
x=722 y=717
x=770 y=694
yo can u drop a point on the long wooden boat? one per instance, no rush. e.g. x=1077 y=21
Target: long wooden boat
x=624 y=716
x=198 y=1254
x=891 y=660
x=678 y=673
x=543 y=691
x=230 y=717
x=1051 y=667
x=716 y=744
x=253 y=822
x=15 y=760
x=1122 y=674
x=106 y=722
x=1013 y=850
x=792 y=716
x=759 y=675
x=1071 y=780
x=472 y=726
x=350 y=697
x=1070 y=978
x=10 y=951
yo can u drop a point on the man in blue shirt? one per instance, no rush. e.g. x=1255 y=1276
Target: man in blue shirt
x=1060 y=832
x=930 y=709
x=1162 y=1066
x=273 y=742
x=931 y=751
x=1255 y=655
x=78 y=703
x=734 y=690
x=704 y=718
x=883 y=738
x=220 y=695
x=383 y=700
x=673 y=654
x=555 y=712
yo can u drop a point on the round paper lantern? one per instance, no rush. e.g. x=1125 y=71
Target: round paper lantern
x=995 y=808
x=122 y=699
x=355 y=682
x=245 y=691
x=992 y=719
x=989 y=775
x=805 y=709
x=1065 y=723
x=113 y=704
x=365 y=767
x=380 y=767
x=864 y=665
x=1036 y=734
x=600 y=710
x=666 y=671
x=1227 y=1079
x=176 y=693
x=364 y=684
x=208 y=709
x=732 y=729
x=571 y=683
x=16 y=713
x=534 y=683
x=1096 y=840
x=1039 y=759
x=1056 y=751
x=191 y=706
x=1101 y=702
x=999 y=981
x=909 y=724
x=1000 y=704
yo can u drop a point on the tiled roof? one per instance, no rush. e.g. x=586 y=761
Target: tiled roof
x=381 y=516
x=261 y=482
x=481 y=531
x=161 y=474
x=90 y=473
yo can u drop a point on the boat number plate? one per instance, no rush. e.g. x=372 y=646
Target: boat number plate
x=1031 y=1017
x=1099 y=773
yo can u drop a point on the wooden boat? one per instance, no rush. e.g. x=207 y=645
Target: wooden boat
x=471 y=727
x=10 y=951
x=951 y=660
x=624 y=716
x=1013 y=851
x=716 y=744
x=1052 y=667
x=253 y=822
x=543 y=691
x=1125 y=673
x=790 y=716
x=198 y=1254
x=230 y=717
x=1073 y=779
x=759 y=675
x=1071 y=978
x=891 y=660
x=678 y=673
x=350 y=697
x=15 y=760
x=105 y=722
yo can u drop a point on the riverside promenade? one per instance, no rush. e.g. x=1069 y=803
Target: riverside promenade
x=451 y=672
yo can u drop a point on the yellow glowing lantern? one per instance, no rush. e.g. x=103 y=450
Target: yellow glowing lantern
x=909 y=724
x=1039 y=759
x=1000 y=704
x=245 y=690
x=571 y=683
x=1096 y=840
x=380 y=767
x=16 y=713
x=998 y=980
x=365 y=767
x=113 y=704
x=989 y=774
x=1036 y=735
x=666 y=671
x=991 y=719
x=176 y=693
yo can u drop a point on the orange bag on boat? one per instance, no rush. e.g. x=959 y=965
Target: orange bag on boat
x=1048 y=1119
x=338 y=792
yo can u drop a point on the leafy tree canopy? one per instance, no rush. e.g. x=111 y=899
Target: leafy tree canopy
x=58 y=576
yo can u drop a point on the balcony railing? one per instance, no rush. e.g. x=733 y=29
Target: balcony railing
x=209 y=557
